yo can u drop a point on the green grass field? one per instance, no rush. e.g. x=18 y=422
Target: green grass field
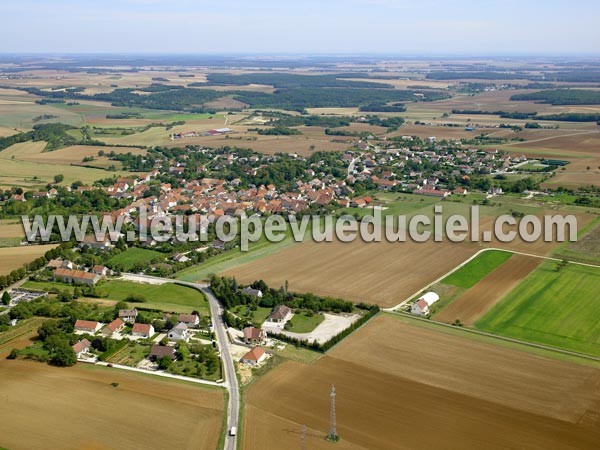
x=131 y=257
x=165 y=297
x=302 y=323
x=474 y=271
x=257 y=317
x=557 y=308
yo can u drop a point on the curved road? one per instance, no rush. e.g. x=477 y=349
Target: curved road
x=231 y=382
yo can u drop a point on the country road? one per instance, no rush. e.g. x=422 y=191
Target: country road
x=231 y=381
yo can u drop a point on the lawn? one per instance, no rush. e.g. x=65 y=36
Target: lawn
x=474 y=271
x=301 y=323
x=131 y=257
x=257 y=317
x=557 y=308
x=165 y=297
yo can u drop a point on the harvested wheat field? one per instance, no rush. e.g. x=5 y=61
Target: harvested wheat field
x=401 y=386
x=380 y=272
x=538 y=247
x=479 y=299
x=87 y=412
x=580 y=172
x=75 y=154
x=12 y=258
x=10 y=228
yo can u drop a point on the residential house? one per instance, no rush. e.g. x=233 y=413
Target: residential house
x=257 y=293
x=191 y=320
x=179 y=333
x=180 y=257
x=92 y=242
x=421 y=306
x=144 y=330
x=87 y=326
x=81 y=347
x=253 y=335
x=128 y=315
x=254 y=356
x=76 y=276
x=160 y=351
x=280 y=314
x=100 y=270
x=113 y=327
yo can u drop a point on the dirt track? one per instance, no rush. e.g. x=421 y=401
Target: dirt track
x=405 y=387
x=478 y=300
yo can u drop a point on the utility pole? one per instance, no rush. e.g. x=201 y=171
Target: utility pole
x=332 y=436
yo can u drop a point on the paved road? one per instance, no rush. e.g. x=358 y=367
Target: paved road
x=231 y=382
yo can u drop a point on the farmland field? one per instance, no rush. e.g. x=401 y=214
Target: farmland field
x=456 y=393
x=472 y=272
x=383 y=273
x=12 y=258
x=190 y=415
x=11 y=233
x=477 y=300
x=586 y=249
x=36 y=169
x=553 y=307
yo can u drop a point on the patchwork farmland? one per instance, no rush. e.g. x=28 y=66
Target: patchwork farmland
x=475 y=394
x=554 y=305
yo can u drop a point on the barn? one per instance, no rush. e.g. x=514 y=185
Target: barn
x=421 y=306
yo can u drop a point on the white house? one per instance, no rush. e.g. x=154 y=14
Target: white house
x=81 y=347
x=254 y=356
x=142 y=330
x=179 y=333
x=421 y=306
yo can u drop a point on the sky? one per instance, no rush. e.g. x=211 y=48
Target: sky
x=424 y=27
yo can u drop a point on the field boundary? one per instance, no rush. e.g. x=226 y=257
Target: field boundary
x=497 y=336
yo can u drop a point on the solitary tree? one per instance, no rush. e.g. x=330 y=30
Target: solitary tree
x=6 y=298
x=63 y=356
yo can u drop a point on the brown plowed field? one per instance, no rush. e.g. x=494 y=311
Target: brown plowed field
x=77 y=408
x=401 y=386
x=478 y=300
x=380 y=272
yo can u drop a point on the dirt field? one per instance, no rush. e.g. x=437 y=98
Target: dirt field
x=12 y=258
x=405 y=387
x=86 y=412
x=75 y=154
x=577 y=174
x=478 y=300
x=567 y=144
x=496 y=101
x=382 y=273
x=11 y=228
